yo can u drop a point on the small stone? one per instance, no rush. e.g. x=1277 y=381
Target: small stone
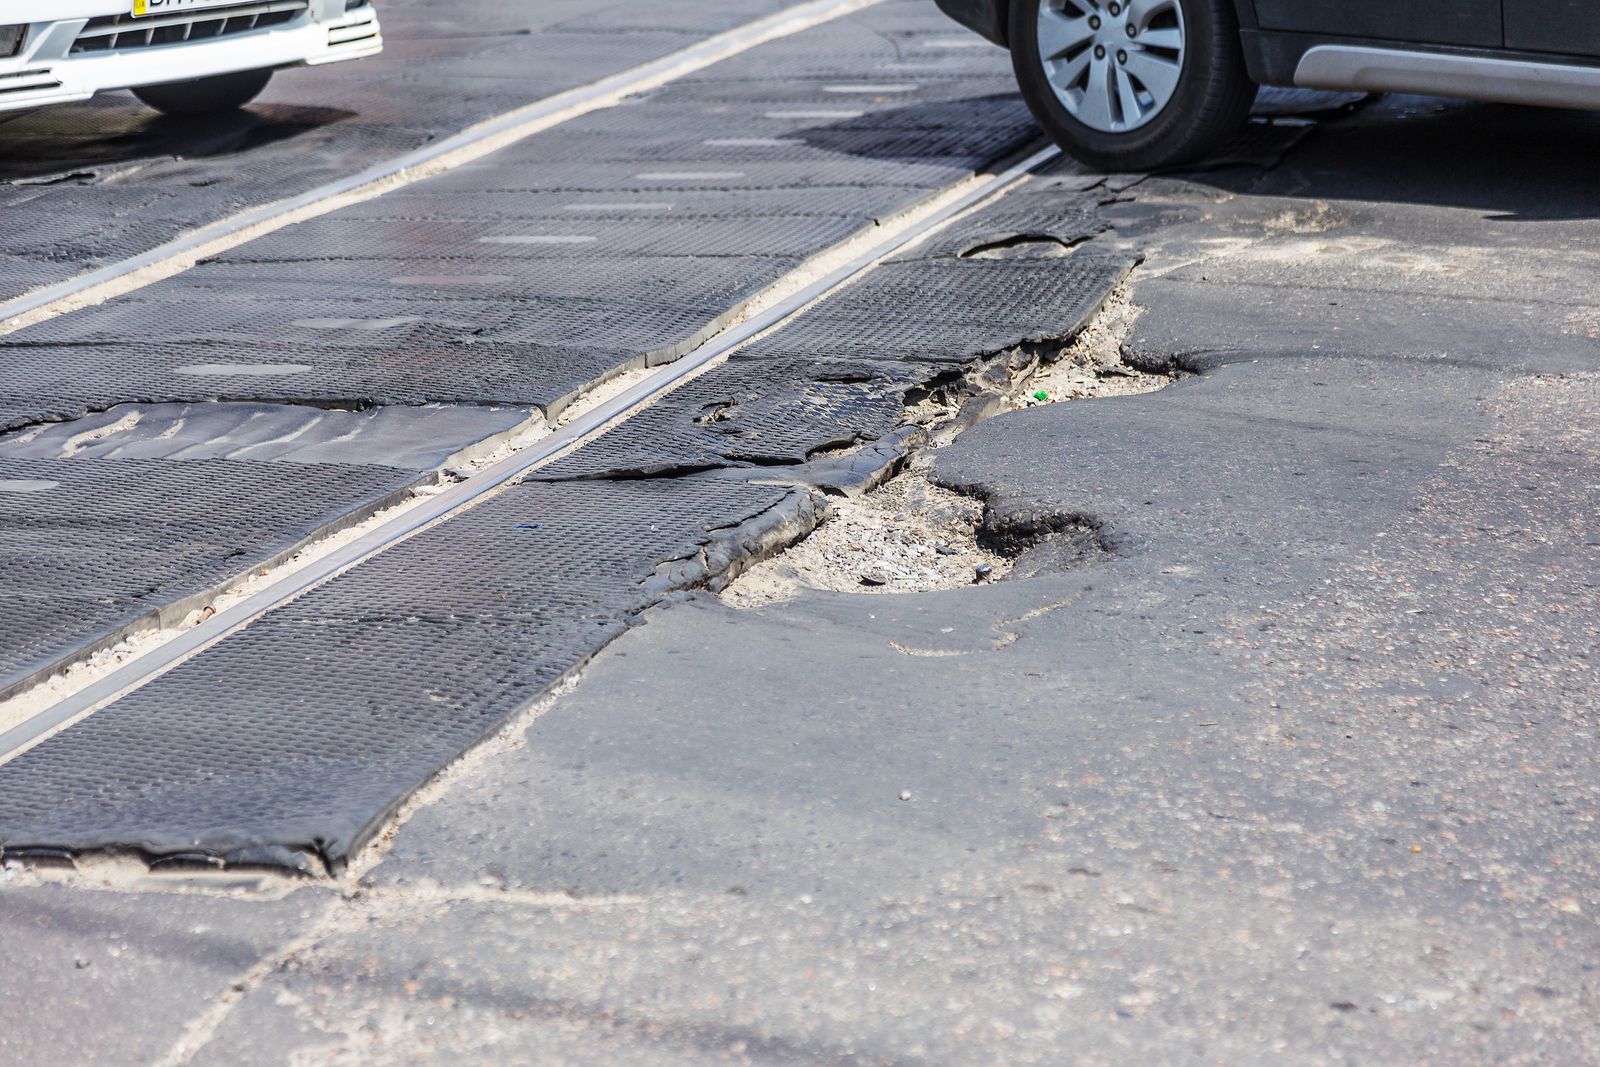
x=905 y=794
x=80 y=963
x=874 y=578
x=944 y=549
x=982 y=572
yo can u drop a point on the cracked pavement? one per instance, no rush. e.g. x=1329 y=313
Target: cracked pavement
x=1275 y=746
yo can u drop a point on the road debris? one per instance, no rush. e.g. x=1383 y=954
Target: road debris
x=1093 y=365
x=906 y=536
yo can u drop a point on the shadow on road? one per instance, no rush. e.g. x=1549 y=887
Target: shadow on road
x=1513 y=164
x=95 y=140
x=927 y=128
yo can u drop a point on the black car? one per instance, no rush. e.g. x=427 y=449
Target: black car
x=1134 y=84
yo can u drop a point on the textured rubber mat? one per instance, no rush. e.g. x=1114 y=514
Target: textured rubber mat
x=948 y=310
x=749 y=414
x=720 y=282
x=649 y=217
x=999 y=106
x=308 y=727
x=446 y=69
x=413 y=438
x=63 y=382
x=875 y=92
x=839 y=374
x=393 y=325
x=671 y=231
x=89 y=547
x=1018 y=220
x=701 y=175
x=812 y=146
x=18 y=274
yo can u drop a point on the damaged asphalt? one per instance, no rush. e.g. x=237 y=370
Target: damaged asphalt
x=1295 y=767
x=1302 y=772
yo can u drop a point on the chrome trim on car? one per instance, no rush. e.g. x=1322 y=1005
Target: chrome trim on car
x=1507 y=81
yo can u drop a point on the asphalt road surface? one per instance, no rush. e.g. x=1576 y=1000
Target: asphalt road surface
x=404 y=661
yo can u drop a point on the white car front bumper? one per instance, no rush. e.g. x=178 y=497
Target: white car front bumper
x=72 y=58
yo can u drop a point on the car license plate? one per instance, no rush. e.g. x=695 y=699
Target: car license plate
x=174 y=7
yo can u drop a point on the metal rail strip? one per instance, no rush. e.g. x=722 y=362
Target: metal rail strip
x=906 y=229
x=176 y=255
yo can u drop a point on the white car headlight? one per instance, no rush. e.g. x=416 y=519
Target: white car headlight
x=11 y=40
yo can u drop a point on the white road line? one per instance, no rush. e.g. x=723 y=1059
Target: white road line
x=815 y=114
x=475 y=142
x=870 y=90
x=770 y=309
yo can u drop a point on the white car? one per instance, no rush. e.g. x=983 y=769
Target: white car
x=183 y=57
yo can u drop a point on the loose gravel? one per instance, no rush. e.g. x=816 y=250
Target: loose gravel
x=908 y=535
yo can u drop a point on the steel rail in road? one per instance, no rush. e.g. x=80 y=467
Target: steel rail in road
x=180 y=253
x=784 y=300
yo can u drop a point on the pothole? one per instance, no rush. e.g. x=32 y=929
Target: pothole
x=1092 y=365
x=909 y=535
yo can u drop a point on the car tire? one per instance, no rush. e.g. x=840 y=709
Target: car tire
x=215 y=95
x=1204 y=90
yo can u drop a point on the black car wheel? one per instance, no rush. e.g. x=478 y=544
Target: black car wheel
x=1132 y=84
x=205 y=96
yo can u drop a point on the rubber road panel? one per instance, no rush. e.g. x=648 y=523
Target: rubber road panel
x=559 y=231
x=136 y=180
x=588 y=284
x=749 y=414
x=98 y=376
x=417 y=438
x=599 y=296
x=723 y=282
x=839 y=375
x=312 y=724
x=948 y=310
x=89 y=547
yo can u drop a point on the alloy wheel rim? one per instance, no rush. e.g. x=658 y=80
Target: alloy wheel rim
x=1114 y=64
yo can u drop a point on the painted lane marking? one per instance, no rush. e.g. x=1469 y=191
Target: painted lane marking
x=815 y=114
x=871 y=90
